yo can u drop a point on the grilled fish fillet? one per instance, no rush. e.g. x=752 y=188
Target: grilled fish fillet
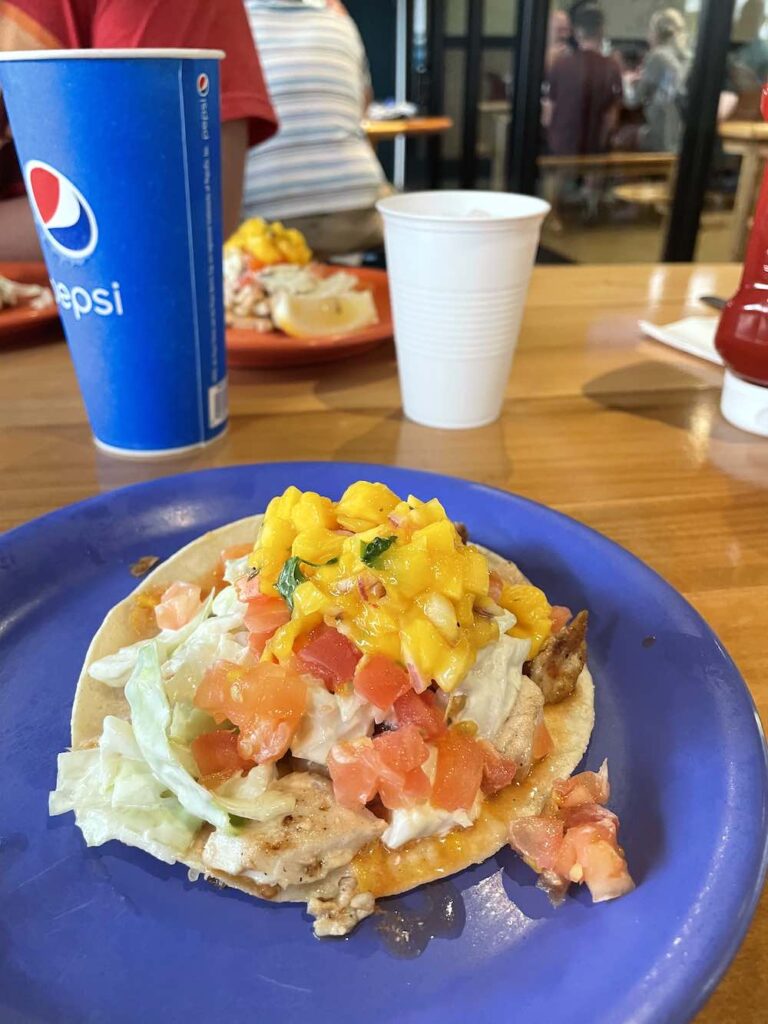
x=317 y=837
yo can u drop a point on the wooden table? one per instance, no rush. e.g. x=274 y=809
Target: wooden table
x=749 y=140
x=406 y=127
x=618 y=432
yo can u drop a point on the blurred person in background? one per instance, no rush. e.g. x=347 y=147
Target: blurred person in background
x=750 y=25
x=247 y=115
x=583 y=90
x=746 y=69
x=319 y=173
x=581 y=105
x=559 y=37
x=658 y=87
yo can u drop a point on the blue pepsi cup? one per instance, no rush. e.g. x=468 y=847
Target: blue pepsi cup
x=120 y=151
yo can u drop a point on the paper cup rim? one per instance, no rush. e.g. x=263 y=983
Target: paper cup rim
x=157 y=53
x=538 y=208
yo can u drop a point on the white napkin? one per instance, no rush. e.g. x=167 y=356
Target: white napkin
x=694 y=335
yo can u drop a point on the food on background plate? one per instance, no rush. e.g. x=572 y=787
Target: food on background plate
x=360 y=702
x=13 y=295
x=267 y=244
x=270 y=285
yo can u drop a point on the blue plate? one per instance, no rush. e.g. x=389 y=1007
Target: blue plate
x=109 y=934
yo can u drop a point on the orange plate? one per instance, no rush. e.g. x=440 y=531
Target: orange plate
x=21 y=319
x=275 y=349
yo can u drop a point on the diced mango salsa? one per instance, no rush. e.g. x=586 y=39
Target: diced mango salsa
x=364 y=505
x=532 y=610
x=392 y=575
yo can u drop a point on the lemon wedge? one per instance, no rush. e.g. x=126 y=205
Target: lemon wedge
x=312 y=316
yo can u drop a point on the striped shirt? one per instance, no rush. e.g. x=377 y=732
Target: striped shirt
x=316 y=71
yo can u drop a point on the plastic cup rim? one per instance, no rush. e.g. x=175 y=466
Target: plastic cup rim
x=540 y=208
x=120 y=53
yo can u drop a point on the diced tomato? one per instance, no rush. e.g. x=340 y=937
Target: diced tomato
x=213 y=692
x=179 y=603
x=543 y=743
x=266 y=702
x=498 y=771
x=495 y=585
x=381 y=681
x=217 y=752
x=329 y=655
x=422 y=711
x=590 y=853
x=538 y=840
x=576 y=840
x=389 y=764
x=459 y=771
x=410 y=788
x=584 y=788
x=400 y=750
x=560 y=616
x=236 y=551
x=264 y=616
x=248 y=588
x=354 y=776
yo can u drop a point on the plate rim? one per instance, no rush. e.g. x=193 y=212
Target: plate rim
x=698 y=984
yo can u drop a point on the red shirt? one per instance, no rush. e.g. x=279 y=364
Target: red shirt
x=583 y=87
x=206 y=24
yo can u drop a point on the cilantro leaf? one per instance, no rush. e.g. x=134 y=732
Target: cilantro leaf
x=374 y=548
x=290 y=577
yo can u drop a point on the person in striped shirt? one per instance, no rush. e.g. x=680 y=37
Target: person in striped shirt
x=318 y=173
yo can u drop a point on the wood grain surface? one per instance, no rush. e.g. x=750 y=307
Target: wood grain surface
x=618 y=432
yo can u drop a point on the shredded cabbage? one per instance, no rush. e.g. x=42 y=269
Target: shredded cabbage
x=227 y=602
x=151 y=720
x=247 y=796
x=329 y=718
x=184 y=672
x=114 y=669
x=114 y=795
x=234 y=568
x=188 y=722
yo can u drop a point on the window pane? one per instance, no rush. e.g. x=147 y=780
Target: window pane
x=455 y=64
x=494 y=114
x=455 y=17
x=738 y=161
x=499 y=17
x=612 y=125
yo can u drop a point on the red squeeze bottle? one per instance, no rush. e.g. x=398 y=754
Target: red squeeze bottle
x=742 y=335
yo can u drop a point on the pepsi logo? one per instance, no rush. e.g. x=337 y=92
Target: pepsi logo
x=61 y=210
x=203 y=84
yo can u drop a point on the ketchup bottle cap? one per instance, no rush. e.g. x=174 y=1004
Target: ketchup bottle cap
x=745 y=405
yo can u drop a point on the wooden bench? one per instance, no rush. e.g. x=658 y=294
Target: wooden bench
x=624 y=164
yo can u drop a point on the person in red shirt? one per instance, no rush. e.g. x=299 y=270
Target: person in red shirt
x=247 y=114
x=584 y=91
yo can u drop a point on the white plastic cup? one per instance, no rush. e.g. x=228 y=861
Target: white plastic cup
x=459 y=264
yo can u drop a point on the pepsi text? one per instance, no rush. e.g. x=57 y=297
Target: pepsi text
x=101 y=301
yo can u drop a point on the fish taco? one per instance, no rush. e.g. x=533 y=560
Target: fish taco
x=337 y=701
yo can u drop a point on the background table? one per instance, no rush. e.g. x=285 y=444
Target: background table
x=616 y=431
x=408 y=127
x=749 y=140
